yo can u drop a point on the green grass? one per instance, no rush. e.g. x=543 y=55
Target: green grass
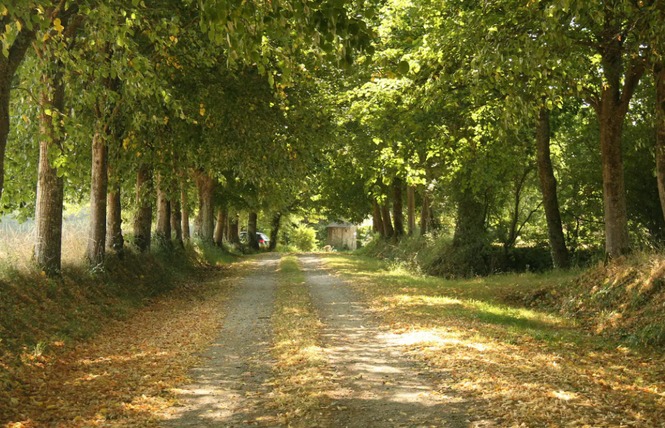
x=299 y=360
x=494 y=300
x=517 y=362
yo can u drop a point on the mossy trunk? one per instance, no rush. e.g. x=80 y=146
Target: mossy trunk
x=234 y=229
x=206 y=217
x=143 y=218
x=114 y=239
x=560 y=256
x=411 y=209
x=50 y=187
x=163 y=228
x=251 y=231
x=176 y=223
x=274 y=231
x=377 y=221
x=184 y=211
x=388 y=231
x=8 y=65
x=659 y=79
x=398 y=207
x=424 y=215
x=220 y=225
x=96 y=250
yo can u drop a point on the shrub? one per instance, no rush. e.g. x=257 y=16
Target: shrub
x=304 y=238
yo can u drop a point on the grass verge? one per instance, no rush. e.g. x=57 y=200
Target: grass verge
x=300 y=363
x=516 y=366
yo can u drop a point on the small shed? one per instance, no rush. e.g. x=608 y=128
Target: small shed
x=341 y=236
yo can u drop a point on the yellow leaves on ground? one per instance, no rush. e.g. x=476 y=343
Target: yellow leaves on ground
x=300 y=373
x=125 y=376
x=513 y=367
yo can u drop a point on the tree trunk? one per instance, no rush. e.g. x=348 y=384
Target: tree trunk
x=206 y=218
x=114 y=239
x=184 y=210
x=50 y=187
x=470 y=237
x=176 y=223
x=388 y=230
x=8 y=66
x=143 y=219
x=163 y=229
x=251 y=231
x=560 y=256
x=377 y=221
x=659 y=79
x=98 y=194
x=398 y=212
x=470 y=222
x=234 y=230
x=274 y=231
x=220 y=226
x=424 y=215
x=411 y=208
x=611 y=110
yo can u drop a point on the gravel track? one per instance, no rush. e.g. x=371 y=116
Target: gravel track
x=376 y=385
x=229 y=387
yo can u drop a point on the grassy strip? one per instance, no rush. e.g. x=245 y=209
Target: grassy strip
x=142 y=319
x=301 y=365
x=519 y=366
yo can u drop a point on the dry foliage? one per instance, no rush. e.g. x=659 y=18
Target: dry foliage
x=125 y=375
x=515 y=367
x=300 y=368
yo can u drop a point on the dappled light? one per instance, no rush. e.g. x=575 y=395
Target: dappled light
x=124 y=374
x=512 y=364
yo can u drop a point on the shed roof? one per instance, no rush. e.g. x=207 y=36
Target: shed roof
x=342 y=224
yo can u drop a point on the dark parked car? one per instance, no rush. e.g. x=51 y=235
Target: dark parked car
x=264 y=241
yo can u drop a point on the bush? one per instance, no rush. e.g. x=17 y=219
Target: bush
x=304 y=238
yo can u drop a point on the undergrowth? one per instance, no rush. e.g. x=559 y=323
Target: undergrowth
x=434 y=254
x=624 y=299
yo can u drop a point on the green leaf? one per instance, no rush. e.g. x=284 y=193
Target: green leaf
x=403 y=67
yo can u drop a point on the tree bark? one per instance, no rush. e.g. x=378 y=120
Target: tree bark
x=50 y=187
x=220 y=225
x=424 y=215
x=176 y=223
x=206 y=217
x=611 y=110
x=548 y=185
x=98 y=193
x=274 y=231
x=411 y=209
x=398 y=211
x=143 y=219
x=377 y=221
x=659 y=79
x=184 y=210
x=234 y=229
x=251 y=231
x=163 y=229
x=8 y=66
x=388 y=230
x=114 y=239
x=470 y=223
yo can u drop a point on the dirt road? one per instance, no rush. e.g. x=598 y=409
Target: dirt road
x=373 y=383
